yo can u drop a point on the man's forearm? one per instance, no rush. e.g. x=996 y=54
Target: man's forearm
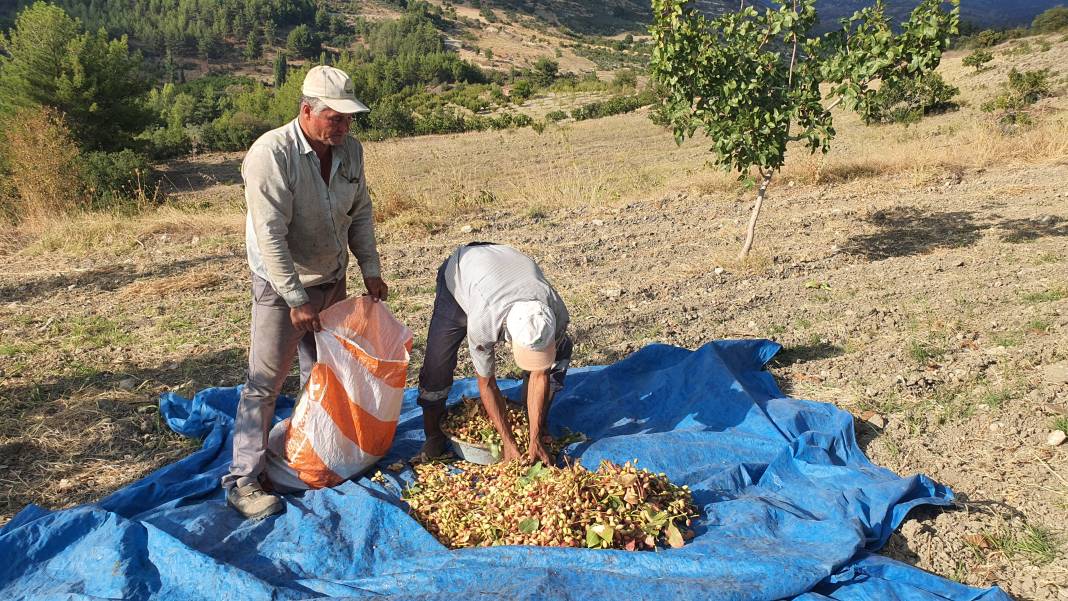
x=495 y=409
x=537 y=394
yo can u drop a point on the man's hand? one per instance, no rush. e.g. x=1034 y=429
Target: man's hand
x=376 y=288
x=305 y=318
x=538 y=452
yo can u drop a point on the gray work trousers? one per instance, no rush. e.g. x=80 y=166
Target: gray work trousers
x=448 y=328
x=274 y=343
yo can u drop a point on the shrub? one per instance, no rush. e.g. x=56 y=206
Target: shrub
x=521 y=90
x=545 y=71
x=1054 y=19
x=1030 y=86
x=233 y=131
x=613 y=106
x=122 y=180
x=625 y=78
x=1019 y=91
x=555 y=116
x=978 y=59
x=910 y=100
x=166 y=142
x=441 y=121
x=392 y=119
x=44 y=164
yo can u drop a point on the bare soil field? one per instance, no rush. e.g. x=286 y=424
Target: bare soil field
x=916 y=277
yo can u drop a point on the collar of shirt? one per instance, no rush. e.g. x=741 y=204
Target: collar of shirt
x=306 y=148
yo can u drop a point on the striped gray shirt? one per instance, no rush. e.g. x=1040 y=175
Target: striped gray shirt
x=486 y=280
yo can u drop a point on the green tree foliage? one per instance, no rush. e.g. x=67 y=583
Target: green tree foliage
x=752 y=79
x=270 y=32
x=615 y=106
x=281 y=69
x=908 y=100
x=1054 y=19
x=95 y=82
x=978 y=59
x=545 y=71
x=253 y=48
x=302 y=42
x=187 y=26
x=522 y=90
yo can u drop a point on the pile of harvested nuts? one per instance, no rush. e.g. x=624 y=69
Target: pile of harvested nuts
x=615 y=507
x=467 y=421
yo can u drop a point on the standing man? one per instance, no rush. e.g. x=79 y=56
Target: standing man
x=493 y=293
x=308 y=206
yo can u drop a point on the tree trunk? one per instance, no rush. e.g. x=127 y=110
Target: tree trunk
x=750 y=231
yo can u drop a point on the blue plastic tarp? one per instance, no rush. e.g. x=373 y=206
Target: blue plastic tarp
x=791 y=508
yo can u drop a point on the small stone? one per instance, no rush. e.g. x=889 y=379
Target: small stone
x=877 y=420
x=467 y=229
x=72 y=287
x=718 y=271
x=612 y=292
x=1056 y=373
x=995 y=426
x=128 y=384
x=597 y=223
x=959 y=264
x=1056 y=438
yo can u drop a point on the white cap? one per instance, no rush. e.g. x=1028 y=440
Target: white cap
x=531 y=325
x=334 y=87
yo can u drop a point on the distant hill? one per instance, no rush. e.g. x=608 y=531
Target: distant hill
x=615 y=16
x=984 y=13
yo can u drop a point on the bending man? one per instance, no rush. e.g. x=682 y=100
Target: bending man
x=493 y=293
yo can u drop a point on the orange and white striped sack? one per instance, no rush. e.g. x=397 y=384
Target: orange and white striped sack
x=347 y=413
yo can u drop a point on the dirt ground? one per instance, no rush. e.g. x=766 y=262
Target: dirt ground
x=931 y=302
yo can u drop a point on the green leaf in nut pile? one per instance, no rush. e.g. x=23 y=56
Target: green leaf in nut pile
x=468 y=421
x=615 y=507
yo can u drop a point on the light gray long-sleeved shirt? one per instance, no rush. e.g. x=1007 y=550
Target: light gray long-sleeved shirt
x=486 y=280
x=299 y=230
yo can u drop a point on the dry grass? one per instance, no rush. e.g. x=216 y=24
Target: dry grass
x=45 y=168
x=110 y=232
x=168 y=286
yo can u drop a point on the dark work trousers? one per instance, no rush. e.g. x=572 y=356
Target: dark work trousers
x=448 y=328
x=274 y=343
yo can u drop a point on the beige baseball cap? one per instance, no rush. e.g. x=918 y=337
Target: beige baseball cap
x=334 y=87
x=531 y=326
